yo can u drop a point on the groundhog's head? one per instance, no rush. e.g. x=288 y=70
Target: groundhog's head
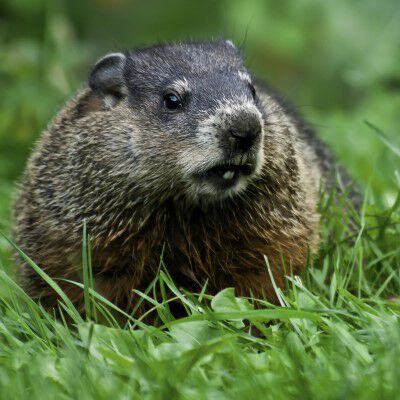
x=195 y=112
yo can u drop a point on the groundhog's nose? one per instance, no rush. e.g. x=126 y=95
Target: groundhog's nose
x=245 y=132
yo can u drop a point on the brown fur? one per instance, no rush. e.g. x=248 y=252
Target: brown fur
x=140 y=173
x=131 y=221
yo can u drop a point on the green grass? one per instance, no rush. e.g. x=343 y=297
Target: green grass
x=336 y=334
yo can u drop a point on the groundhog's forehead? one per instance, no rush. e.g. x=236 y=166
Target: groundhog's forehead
x=189 y=57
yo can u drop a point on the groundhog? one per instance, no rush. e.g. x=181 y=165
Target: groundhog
x=174 y=150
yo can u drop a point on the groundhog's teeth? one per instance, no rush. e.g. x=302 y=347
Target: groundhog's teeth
x=228 y=175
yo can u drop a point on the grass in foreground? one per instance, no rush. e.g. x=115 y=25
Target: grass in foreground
x=336 y=334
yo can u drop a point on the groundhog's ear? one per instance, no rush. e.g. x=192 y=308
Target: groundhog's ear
x=107 y=78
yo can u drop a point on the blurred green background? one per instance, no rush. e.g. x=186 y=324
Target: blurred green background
x=339 y=61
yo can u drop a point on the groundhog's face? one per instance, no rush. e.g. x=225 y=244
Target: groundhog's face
x=197 y=123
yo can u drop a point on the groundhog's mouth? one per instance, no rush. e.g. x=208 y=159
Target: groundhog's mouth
x=226 y=175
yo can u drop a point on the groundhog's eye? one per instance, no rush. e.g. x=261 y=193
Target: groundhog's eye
x=172 y=101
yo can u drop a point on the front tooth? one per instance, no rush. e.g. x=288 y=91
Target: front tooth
x=228 y=175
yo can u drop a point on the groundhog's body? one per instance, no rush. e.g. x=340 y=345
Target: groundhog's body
x=109 y=159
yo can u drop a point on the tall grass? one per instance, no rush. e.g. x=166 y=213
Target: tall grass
x=335 y=335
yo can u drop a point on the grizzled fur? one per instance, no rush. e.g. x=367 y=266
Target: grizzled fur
x=136 y=173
